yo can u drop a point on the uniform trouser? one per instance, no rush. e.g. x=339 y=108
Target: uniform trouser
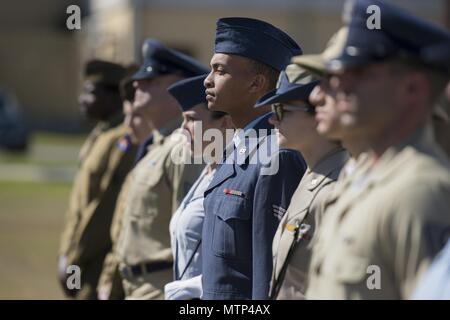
x=149 y=286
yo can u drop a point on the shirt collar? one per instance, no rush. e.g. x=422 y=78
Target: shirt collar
x=240 y=134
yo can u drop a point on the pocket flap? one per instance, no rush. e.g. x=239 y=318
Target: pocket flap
x=232 y=207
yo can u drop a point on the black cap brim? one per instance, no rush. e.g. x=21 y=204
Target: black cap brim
x=297 y=93
x=145 y=73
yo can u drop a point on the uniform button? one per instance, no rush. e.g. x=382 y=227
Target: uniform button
x=242 y=151
x=149 y=69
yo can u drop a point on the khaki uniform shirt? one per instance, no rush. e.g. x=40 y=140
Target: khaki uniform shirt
x=292 y=241
x=110 y=283
x=103 y=166
x=384 y=225
x=157 y=187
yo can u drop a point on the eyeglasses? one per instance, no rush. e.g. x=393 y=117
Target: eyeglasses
x=279 y=108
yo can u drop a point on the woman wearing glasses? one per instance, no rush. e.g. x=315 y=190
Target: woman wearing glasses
x=187 y=222
x=294 y=117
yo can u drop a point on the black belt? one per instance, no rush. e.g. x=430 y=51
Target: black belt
x=144 y=268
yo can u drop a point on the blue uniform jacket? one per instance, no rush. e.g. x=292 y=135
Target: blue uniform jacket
x=242 y=212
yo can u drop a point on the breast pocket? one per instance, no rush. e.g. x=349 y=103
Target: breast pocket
x=148 y=191
x=232 y=232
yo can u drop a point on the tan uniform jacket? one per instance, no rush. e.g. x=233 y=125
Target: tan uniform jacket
x=292 y=241
x=110 y=283
x=157 y=187
x=104 y=164
x=384 y=225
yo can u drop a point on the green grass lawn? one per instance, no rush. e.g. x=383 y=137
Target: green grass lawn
x=31 y=219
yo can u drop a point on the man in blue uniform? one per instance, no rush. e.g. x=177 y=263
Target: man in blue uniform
x=247 y=196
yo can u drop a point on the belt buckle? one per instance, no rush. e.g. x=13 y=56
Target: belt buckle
x=125 y=271
x=137 y=270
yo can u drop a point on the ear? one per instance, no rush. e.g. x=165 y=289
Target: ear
x=416 y=88
x=258 y=84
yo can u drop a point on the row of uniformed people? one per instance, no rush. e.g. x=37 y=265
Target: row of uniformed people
x=317 y=224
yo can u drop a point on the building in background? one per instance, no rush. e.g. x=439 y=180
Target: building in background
x=40 y=60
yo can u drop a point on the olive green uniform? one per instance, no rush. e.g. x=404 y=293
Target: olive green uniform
x=103 y=166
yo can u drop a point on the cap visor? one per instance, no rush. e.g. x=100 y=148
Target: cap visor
x=313 y=63
x=345 y=62
x=298 y=93
x=143 y=74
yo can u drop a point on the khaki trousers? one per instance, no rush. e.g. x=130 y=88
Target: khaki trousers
x=149 y=286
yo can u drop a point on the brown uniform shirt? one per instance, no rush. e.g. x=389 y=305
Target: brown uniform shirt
x=384 y=227
x=104 y=164
x=292 y=241
x=158 y=185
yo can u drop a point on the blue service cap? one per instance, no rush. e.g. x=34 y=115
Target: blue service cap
x=295 y=83
x=189 y=92
x=255 y=39
x=400 y=35
x=160 y=60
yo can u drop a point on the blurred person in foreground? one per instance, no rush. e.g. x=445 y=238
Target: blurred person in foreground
x=391 y=218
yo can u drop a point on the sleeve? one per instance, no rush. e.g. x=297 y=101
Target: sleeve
x=184 y=289
x=181 y=175
x=273 y=193
x=71 y=221
x=71 y=217
x=435 y=284
x=415 y=228
x=109 y=280
x=93 y=235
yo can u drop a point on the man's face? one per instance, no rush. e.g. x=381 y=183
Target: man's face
x=138 y=123
x=228 y=82
x=327 y=115
x=367 y=99
x=151 y=93
x=295 y=126
x=98 y=101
